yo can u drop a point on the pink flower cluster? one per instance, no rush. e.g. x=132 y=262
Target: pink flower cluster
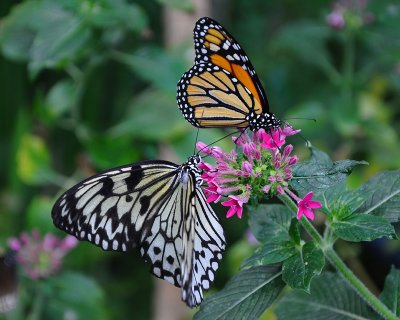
x=41 y=257
x=262 y=168
x=352 y=13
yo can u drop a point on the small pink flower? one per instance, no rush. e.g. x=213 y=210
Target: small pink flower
x=247 y=168
x=336 y=19
x=239 y=141
x=68 y=243
x=205 y=166
x=266 y=188
x=306 y=205
x=39 y=256
x=293 y=160
x=14 y=244
x=280 y=190
x=289 y=131
x=213 y=191
x=203 y=148
x=217 y=153
x=236 y=206
x=273 y=140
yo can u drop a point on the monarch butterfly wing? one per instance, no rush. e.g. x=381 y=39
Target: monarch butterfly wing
x=210 y=96
x=214 y=44
x=115 y=209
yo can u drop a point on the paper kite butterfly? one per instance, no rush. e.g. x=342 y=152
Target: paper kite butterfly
x=157 y=206
x=222 y=89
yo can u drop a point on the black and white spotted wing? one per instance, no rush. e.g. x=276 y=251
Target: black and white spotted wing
x=157 y=206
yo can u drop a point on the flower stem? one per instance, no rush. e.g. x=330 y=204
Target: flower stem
x=339 y=265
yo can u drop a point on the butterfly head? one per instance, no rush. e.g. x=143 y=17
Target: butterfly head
x=194 y=160
x=192 y=165
x=264 y=121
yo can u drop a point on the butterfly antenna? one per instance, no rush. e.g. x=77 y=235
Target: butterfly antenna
x=197 y=136
x=310 y=119
x=229 y=134
x=306 y=141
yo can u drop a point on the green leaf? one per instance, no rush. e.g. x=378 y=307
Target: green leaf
x=270 y=223
x=186 y=5
x=58 y=101
x=298 y=270
x=113 y=14
x=320 y=157
x=33 y=163
x=384 y=199
x=43 y=33
x=304 y=37
x=61 y=41
x=38 y=214
x=141 y=121
x=330 y=298
x=269 y=253
x=74 y=292
x=363 y=227
x=156 y=66
x=391 y=291
x=18 y=30
x=315 y=176
x=340 y=202
x=245 y=296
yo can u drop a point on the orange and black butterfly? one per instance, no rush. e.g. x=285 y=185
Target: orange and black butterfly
x=222 y=89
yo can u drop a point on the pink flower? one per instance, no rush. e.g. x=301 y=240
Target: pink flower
x=213 y=191
x=203 y=148
x=349 y=14
x=236 y=205
x=335 y=19
x=306 y=205
x=41 y=257
x=288 y=131
x=274 y=140
x=250 y=169
x=247 y=168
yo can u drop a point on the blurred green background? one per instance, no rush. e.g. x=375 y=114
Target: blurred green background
x=89 y=85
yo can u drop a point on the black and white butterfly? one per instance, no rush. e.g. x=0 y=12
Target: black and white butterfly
x=157 y=206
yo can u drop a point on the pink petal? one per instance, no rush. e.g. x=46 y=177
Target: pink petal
x=314 y=204
x=231 y=212
x=239 y=212
x=309 y=214
x=308 y=197
x=213 y=198
x=14 y=244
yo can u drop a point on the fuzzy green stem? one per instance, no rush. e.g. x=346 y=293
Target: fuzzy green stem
x=339 y=265
x=38 y=304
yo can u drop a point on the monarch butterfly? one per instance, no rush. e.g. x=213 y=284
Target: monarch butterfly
x=222 y=88
x=157 y=206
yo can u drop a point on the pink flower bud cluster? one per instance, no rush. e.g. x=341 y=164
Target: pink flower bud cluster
x=350 y=14
x=39 y=256
x=261 y=168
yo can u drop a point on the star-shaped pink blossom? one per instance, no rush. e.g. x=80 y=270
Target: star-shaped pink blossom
x=273 y=140
x=236 y=206
x=306 y=205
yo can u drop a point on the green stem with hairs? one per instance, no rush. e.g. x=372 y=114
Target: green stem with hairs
x=339 y=265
